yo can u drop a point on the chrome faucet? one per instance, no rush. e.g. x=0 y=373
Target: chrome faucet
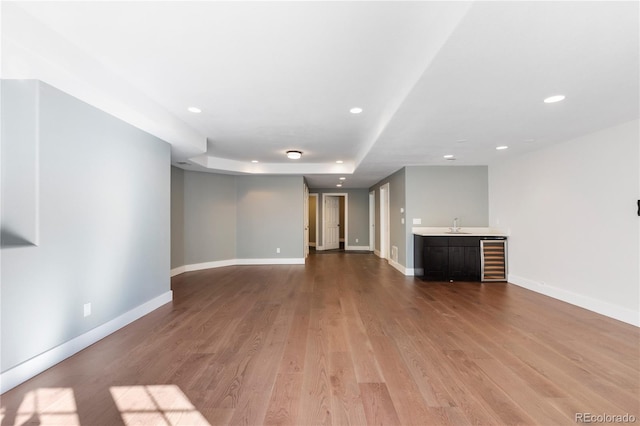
x=455 y=225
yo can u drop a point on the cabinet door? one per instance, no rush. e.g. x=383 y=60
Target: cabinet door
x=464 y=263
x=436 y=262
x=472 y=263
x=457 y=267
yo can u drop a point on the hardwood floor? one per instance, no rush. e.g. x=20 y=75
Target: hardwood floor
x=344 y=340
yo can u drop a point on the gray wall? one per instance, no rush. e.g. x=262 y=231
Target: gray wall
x=209 y=217
x=104 y=224
x=435 y=194
x=220 y=217
x=438 y=194
x=358 y=211
x=177 y=217
x=270 y=216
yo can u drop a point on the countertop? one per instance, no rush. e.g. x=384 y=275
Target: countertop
x=464 y=232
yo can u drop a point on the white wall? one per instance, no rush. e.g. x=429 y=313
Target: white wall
x=572 y=215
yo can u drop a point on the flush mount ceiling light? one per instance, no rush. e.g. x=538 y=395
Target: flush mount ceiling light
x=294 y=155
x=339 y=185
x=448 y=156
x=500 y=148
x=355 y=110
x=339 y=161
x=194 y=110
x=552 y=99
x=254 y=161
x=343 y=178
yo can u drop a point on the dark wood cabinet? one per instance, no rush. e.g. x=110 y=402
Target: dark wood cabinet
x=451 y=258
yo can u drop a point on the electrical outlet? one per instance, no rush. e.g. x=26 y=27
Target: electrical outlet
x=402 y=220
x=356 y=240
x=87 y=309
x=278 y=250
x=417 y=221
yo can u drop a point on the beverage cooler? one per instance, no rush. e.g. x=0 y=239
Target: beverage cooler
x=493 y=259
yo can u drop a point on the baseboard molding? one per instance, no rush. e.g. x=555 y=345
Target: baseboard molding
x=312 y=244
x=377 y=253
x=275 y=261
x=610 y=310
x=36 y=365
x=357 y=248
x=235 y=262
x=398 y=266
x=177 y=271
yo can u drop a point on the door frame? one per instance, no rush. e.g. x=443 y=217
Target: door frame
x=316 y=219
x=385 y=223
x=372 y=221
x=346 y=217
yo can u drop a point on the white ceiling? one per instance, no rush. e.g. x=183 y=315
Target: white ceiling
x=433 y=78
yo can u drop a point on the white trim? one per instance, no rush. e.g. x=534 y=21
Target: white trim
x=361 y=248
x=177 y=271
x=209 y=265
x=619 y=313
x=319 y=248
x=36 y=365
x=235 y=262
x=312 y=244
x=272 y=261
x=377 y=253
x=398 y=266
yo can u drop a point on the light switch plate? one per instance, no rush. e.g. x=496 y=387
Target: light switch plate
x=417 y=221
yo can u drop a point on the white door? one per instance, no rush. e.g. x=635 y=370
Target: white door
x=306 y=220
x=331 y=223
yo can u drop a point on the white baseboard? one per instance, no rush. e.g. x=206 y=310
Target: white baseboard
x=235 y=262
x=209 y=265
x=398 y=266
x=619 y=313
x=377 y=253
x=271 y=261
x=36 y=365
x=177 y=271
x=319 y=248
x=357 y=248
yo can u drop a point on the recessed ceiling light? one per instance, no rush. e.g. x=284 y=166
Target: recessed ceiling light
x=552 y=99
x=254 y=161
x=461 y=140
x=339 y=185
x=500 y=148
x=294 y=155
x=339 y=161
x=355 y=110
x=194 y=110
x=342 y=178
x=448 y=156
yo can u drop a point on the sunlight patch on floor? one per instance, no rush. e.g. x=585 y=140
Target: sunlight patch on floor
x=156 y=405
x=48 y=406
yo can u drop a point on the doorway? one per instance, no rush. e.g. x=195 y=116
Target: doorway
x=313 y=221
x=335 y=219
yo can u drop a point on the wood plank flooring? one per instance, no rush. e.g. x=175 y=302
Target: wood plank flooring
x=343 y=340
